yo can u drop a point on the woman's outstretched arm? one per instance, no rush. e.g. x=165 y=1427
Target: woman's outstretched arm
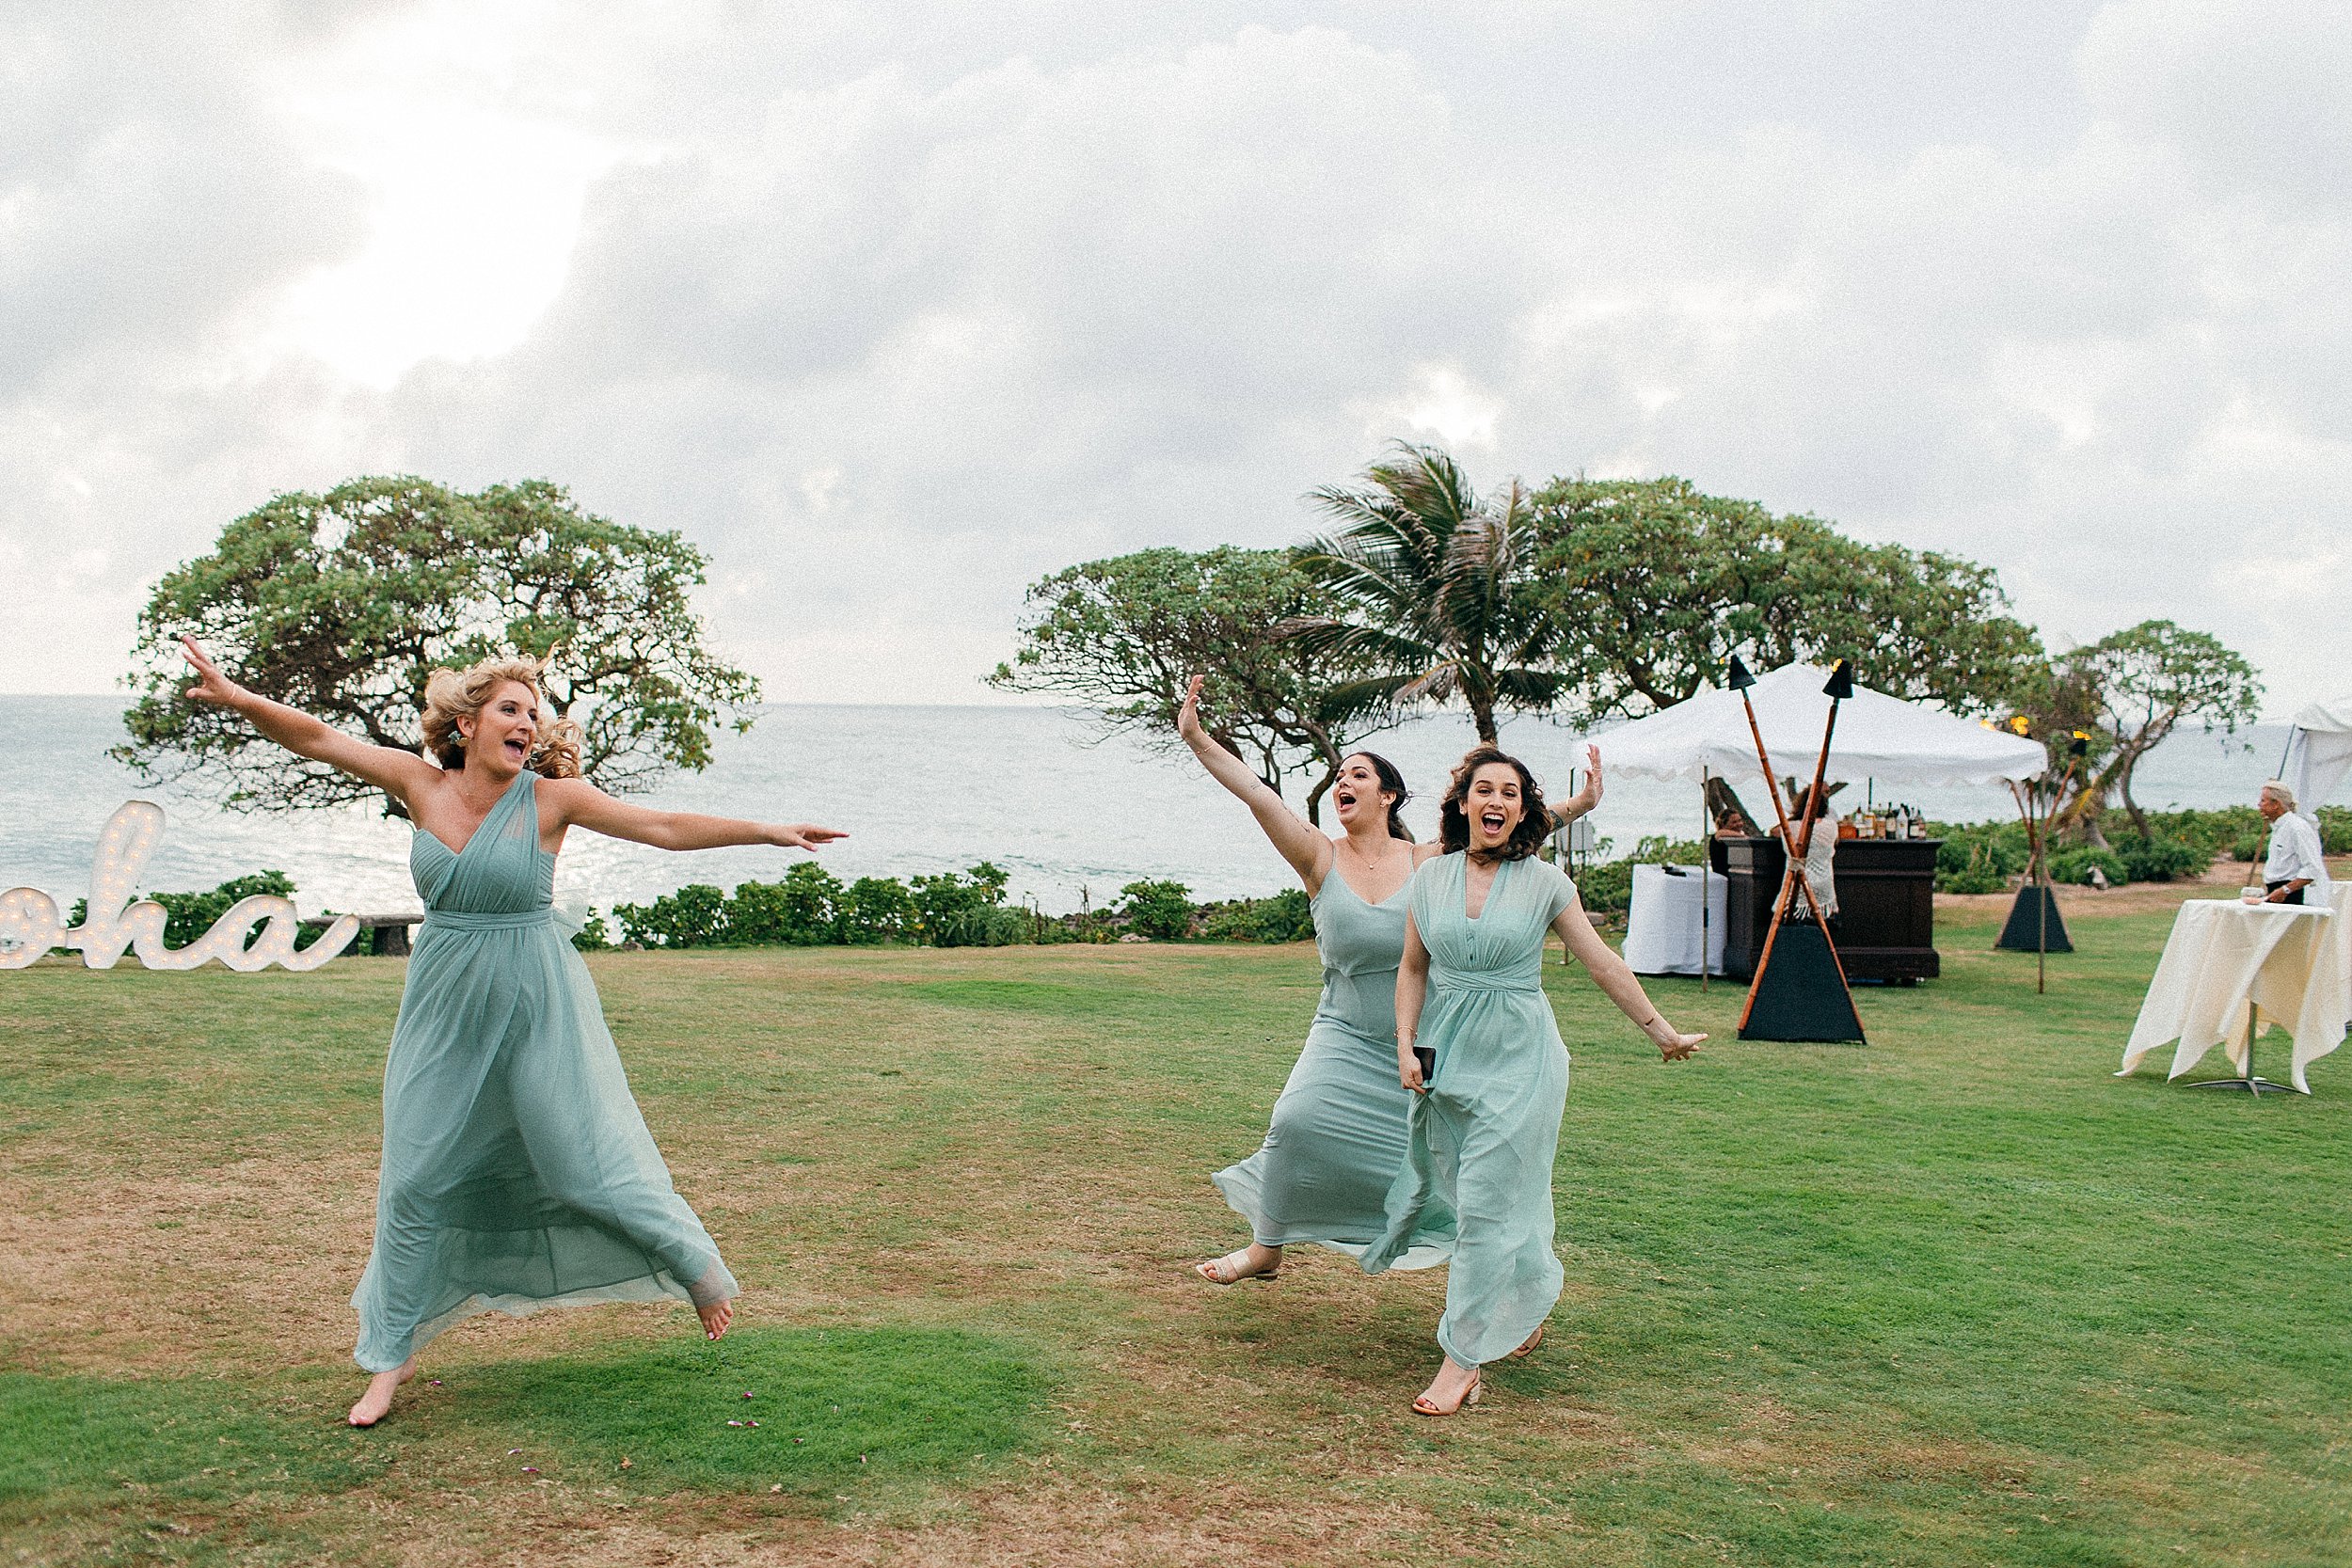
x=1618 y=983
x=1412 y=989
x=580 y=803
x=1309 y=851
x=387 y=768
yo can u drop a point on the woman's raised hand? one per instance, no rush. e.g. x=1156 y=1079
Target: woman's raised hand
x=211 y=685
x=804 y=835
x=1188 y=711
x=1584 y=800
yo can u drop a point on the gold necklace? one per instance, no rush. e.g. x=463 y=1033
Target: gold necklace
x=1369 y=865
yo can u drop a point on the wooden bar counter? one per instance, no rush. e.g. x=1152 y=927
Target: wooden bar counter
x=1885 y=926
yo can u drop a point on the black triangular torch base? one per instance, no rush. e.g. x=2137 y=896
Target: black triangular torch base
x=1800 y=993
x=2024 y=933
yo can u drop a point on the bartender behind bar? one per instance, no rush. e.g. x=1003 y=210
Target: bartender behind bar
x=2295 y=873
x=1820 y=870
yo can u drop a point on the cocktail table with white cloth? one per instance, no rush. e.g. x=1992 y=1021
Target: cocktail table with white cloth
x=2229 y=965
x=1667 y=920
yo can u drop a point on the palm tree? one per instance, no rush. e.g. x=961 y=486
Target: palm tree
x=1433 y=581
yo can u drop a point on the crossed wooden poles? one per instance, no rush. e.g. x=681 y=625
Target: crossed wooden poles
x=1794 y=1003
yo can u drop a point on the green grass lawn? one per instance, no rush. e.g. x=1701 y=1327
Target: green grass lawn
x=1958 y=1296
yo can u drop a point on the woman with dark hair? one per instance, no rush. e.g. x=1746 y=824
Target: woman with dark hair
x=1485 y=1125
x=1337 y=1137
x=517 y=1173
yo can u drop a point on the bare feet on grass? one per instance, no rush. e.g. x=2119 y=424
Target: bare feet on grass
x=1254 y=1262
x=715 y=1318
x=378 y=1399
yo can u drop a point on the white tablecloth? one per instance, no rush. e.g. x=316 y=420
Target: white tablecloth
x=2293 y=963
x=1662 y=927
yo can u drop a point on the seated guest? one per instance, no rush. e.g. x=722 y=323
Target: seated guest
x=2294 y=872
x=1731 y=817
x=1819 y=874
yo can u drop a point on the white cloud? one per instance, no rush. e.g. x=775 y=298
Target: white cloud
x=893 y=311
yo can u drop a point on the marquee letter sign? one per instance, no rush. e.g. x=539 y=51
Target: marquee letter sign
x=29 y=924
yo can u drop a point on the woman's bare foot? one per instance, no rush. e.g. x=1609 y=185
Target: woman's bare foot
x=378 y=1399
x=1254 y=1262
x=715 y=1318
x=1453 y=1389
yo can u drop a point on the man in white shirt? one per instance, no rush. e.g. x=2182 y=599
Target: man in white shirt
x=2294 y=872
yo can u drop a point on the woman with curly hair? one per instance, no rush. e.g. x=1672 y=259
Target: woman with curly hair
x=517 y=1173
x=1485 y=1115
x=1337 y=1135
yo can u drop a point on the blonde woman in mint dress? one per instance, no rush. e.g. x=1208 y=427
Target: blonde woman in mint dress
x=1338 y=1132
x=1485 y=1123
x=517 y=1173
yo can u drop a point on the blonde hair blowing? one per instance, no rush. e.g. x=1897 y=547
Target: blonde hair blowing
x=454 y=694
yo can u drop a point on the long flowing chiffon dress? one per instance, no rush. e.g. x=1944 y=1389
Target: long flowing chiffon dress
x=1337 y=1137
x=517 y=1173
x=1482 y=1140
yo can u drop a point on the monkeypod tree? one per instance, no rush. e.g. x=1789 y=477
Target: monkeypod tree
x=2150 y=679
x=1654 y=584
x=342 y=604
x=1124 y=636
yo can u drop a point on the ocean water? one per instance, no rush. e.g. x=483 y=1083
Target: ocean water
x=1072 y=816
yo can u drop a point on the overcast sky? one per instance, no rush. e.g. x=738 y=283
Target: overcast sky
x=893 y=309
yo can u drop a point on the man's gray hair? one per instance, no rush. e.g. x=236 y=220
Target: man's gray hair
x=2283 y=790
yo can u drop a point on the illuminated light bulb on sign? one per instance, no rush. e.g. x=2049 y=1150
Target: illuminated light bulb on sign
x=29 y=925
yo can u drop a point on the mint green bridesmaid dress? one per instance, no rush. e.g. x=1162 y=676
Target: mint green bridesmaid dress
x=517 y=1173
x=1481 y=1143
x=1337 y=1137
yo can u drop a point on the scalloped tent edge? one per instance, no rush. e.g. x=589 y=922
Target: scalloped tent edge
x=1878 y=736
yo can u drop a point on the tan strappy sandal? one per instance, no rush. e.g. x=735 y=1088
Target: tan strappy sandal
x=1423 y=1406
x=1528 y=1349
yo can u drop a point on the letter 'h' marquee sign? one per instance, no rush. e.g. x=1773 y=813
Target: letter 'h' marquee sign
x=30 y=925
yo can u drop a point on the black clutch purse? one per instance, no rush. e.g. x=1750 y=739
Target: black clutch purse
x=1427 y=1056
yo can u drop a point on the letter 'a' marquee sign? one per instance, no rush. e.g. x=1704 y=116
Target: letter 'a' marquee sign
x=29 y=923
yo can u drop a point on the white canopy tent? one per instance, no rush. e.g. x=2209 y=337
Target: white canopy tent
x=2319 y=753
x=1878 y=736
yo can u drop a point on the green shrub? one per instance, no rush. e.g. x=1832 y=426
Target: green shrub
x=1160 y=911
x=2335 y=830
x=798 y=911
x=873 y=909
x=594 y=935
x=2217 y=832
x=2161 y=859
x=1288 y=916
x=2074 y=865
x=1606 y=887
x=966 y=910
x=189 y=916
x=1980 y=872
x=694 y=916
x=1977 y=857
